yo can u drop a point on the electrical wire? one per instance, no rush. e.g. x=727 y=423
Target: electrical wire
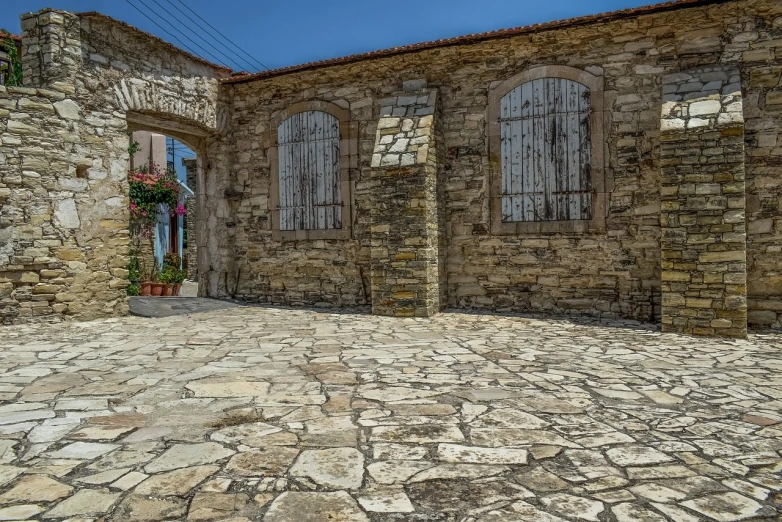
x=219 y=33
x=227 y=58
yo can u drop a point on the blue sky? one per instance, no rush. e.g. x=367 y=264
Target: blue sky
x=298 y=31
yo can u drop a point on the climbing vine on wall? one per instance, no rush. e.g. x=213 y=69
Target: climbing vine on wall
x=150 y=187
x=11 y=74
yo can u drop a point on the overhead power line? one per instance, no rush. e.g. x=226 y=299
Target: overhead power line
x=157 y=15
x=226 y=57
x=161 y=27
x=225 y=38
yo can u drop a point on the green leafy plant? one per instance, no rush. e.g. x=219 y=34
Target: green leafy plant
x=148 y=188
x=134 y=272
x=167 y=275
x=134 y=146
x=12 y=73
x=133 y=289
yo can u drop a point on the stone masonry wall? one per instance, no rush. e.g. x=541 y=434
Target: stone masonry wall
x=615 y=273
x=64 y=160
x=704 y=242
x=63 y=209
x=190 y=219
x=404 y=206
x=762 y=86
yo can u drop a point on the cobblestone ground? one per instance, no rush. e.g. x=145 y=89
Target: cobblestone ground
x=294 y=415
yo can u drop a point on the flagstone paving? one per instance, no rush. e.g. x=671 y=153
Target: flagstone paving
x=274 y=414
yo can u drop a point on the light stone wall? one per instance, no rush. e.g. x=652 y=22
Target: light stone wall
x=704 y=241
x=64 y=234
x=616 y=272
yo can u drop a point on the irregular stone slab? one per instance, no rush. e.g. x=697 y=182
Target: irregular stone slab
x=453 y=471
x=480 y=455
x=657 y=492
x=384 y=451
x=484 y=394
x=52 y=432
x=24 y=416
x=548 y=405
x=574 y=507
x=212 y=506
x=82 y=404
x=637 y=455
x=659 y=472
x=175 y=483
x=396 y=471
x=229 y=389
x=495 y=437
x=247 y=434
x=35 y=488
x=136 y=508
x=509 y=418
x=337 y=468
x=519 y=512
x=539 y=479
x=422 y=409
x=337 y=506
x=627 y=512
x=418 y=434
x=84 y=502
x=129 y=481
x=186 y=455
x=8 y=473
x=23 y=512
x=395 y=393
x=455 y=496
x=725 y=507
x=83 y=450
x=266 y=462
x=386 y=502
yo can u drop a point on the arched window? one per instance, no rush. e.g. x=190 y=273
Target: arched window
x=309 y=172
x=546 y=143
x=546 y=151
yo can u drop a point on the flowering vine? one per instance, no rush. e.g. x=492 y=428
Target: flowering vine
x=151 y=186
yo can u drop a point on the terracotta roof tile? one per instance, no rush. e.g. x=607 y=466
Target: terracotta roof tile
x=473 y=38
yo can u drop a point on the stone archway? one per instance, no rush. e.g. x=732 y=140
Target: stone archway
x=91 y=79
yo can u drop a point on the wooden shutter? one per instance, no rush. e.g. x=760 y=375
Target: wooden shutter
x=546 y=151
x=310 y=196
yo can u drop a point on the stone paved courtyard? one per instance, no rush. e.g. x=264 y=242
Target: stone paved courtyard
x=298 y=415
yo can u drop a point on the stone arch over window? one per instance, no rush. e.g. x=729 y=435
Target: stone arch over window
x=547 y=150
x=313 y=145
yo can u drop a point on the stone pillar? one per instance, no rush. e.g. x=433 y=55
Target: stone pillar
x=404 y=214
x=704 y=245
x=52 y=52
x=191 y=253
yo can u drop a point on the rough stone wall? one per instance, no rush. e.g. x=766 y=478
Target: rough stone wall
x=616 y=273
x=190 y=219
x=704 y=242
x=404 y=207
x=63 y=209
x=64 y=160
x=762 y=85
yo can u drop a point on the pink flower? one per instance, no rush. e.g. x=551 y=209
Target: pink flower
x=180 y=210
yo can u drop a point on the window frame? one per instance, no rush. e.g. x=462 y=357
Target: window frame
x=348 y=161
x=597 y=144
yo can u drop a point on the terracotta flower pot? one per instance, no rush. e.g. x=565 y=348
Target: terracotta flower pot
x=146 y=288
x=157 y=288
x=177 y=288
x=168 y=289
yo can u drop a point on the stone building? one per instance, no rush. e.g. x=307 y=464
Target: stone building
x=620 y=165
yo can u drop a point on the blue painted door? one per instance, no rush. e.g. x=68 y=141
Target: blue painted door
x=162 y=233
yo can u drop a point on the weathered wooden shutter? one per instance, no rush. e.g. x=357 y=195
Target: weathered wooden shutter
x=546 y=151
x=310 y=196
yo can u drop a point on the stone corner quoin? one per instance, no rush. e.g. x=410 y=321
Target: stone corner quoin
x=625 y=166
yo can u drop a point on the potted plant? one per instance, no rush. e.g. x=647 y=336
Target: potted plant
x=178 y=280
x=145 y=286
x=157 y=285
x=166 y=277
